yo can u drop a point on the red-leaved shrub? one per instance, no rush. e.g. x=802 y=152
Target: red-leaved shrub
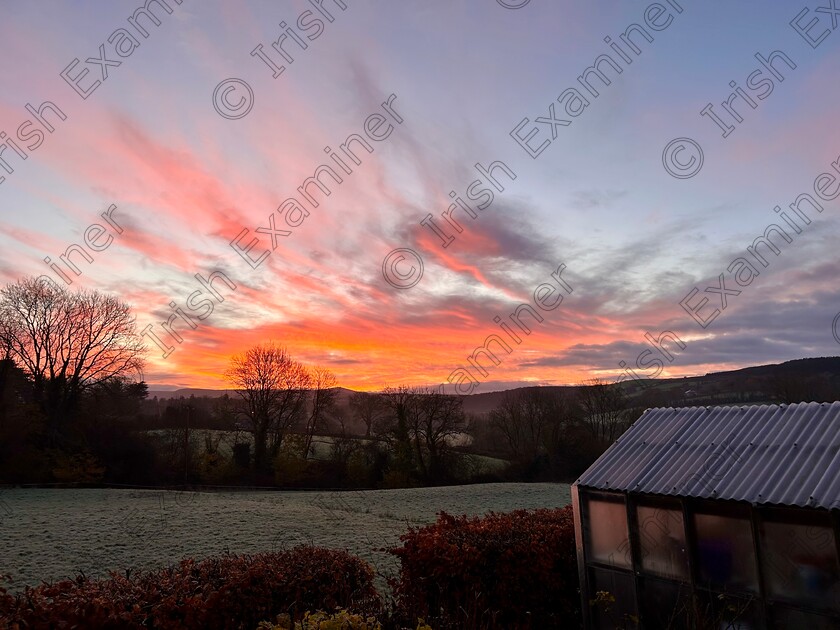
x=230 y=591
x=511 y=571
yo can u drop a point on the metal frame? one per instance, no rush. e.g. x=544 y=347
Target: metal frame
x=577 y=511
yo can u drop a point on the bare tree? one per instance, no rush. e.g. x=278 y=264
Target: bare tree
x=422 y=423
x=790 y=388
x=67 y=342
x=563 y=427
x=522 y=432
x=440 y=419
x=323 y=398
x=343 y=444
x=534 y=422
x=368 y=408
x=273 y=387
x=606 y=409
x=401 y=403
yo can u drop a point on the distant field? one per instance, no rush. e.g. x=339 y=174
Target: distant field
x=51 y=533
x=321 y=446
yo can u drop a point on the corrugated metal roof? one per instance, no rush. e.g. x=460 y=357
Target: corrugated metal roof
x=766 y=454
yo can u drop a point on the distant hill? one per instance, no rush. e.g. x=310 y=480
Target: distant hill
x=791 y=381
x=486 y=402
x=186 y=392
x=798 y=367
x=814 y=379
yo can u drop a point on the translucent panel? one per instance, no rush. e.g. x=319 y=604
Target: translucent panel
x=665 y=605
x=662 y=541
x=725 y=552
x=784 y=618
x=719 y=610
x=613 y=600
x=606 y=533
x=800 y=563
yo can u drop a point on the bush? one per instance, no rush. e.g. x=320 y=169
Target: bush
x=342 y=620
x=224 y=592
x=516 y=570
x=79 y=467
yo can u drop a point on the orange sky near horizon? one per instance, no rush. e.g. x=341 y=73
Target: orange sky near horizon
x=399 y=128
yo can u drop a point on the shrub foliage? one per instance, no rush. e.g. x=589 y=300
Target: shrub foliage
x=515 y=570
x=230 y=591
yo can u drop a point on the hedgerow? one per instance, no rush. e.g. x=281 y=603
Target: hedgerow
x=515 y=570
x=230 y=592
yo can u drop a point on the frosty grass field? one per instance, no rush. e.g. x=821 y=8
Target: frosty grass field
x=50 y=534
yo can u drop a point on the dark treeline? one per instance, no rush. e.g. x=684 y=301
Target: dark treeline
x=74 y=409
x=69 y=363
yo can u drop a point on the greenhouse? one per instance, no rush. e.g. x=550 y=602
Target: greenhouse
x=718 y=517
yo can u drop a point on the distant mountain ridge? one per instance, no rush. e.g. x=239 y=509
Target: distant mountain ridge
x=727 y=387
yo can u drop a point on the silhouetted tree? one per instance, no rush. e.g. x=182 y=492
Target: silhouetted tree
x=422 y=423
x=367 y=408
x=395 y=429
x=21 y=428
x=790 y=388
x=521 y=429
x=538 y=425
x=440 y=419
x=273 y=388
x=67 y=342
x=323 y=397
x=606 y=409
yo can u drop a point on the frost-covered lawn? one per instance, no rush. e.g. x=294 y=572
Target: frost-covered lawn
x=50 y=534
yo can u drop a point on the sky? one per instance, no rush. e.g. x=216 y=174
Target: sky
x=199 y=133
